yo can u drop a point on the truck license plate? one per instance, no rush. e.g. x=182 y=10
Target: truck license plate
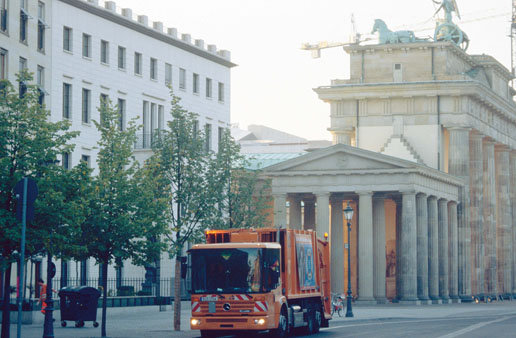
x=209 y=299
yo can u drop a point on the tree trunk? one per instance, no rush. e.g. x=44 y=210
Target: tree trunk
x=104 y=297
x=6 y=320
x=177 y=294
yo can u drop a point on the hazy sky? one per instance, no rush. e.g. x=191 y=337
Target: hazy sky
x=272 y=84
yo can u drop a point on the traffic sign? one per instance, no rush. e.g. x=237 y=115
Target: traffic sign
x=32 y=193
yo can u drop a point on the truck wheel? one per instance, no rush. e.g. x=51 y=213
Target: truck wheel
x=282 y=330
x=208 y=334
x=314 y=322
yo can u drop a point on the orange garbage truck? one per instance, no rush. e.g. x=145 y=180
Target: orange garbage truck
x=252 y=280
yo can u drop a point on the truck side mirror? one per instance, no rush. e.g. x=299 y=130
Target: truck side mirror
x=184 y=267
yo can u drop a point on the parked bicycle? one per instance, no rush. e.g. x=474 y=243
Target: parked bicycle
x=337 y=304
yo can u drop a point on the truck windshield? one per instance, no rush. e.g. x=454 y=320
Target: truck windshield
x=231 y=270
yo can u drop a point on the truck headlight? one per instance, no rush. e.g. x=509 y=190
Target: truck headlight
x=260 y=321
x=195 y=322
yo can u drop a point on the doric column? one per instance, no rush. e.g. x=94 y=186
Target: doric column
x=513 y=202
x=337 y=247
x=280 y=212
x=491 y=278
x=443 y=250
x=309 y=215
x=422 y=246
x=295 y=213
x=365 y=247
x=476 y=166
x=504 y=221
x=453 y=252
x=433 y=249
x=408 y=246
x=458 y=165
x=379 y=258
x=323 y=214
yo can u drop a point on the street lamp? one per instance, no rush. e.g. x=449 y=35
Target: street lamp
x=348 y=214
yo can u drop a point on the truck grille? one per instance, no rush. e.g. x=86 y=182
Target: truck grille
x=236 y=307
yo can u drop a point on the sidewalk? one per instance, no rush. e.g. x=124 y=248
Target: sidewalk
x=150 y=322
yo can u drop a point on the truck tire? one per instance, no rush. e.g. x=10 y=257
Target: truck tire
x=314 y=321
x=282 y=330
x=209 y=334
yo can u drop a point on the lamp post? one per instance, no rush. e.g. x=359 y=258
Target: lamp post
x=348 y=214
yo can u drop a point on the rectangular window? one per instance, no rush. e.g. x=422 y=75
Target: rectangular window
x=41 y=26
x=84 y=272
x=168 y=74
x=104 y=102
x=121 y=114
x=182 y=78
x=196 y=128
x=104 y=52
x=86 y=45
x=24 y=20
x=23 y=86
x=40 y=80
x=3 y=64
x=221 y=134
x=138 y=63
x=221 y=92
x=67 y=100
x=146 y=126
x=67 y=39
x=161 y=117
x=207 y=134
x=195 y=81
x=208 y=87
x=3 y=15
x=153 y=69
x=86 y=105
x=86 y=159
x=121 y=57
x=66 y=161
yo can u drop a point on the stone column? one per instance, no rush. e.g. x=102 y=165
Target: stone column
x=513 y=202
x=443 y=250
x=280 y=212
x=365 y=247
x=295 y=213
x=433 y=250
x=458 y=165
x=309 y=215
x=408 y=246
x=399 y=205
x=337 y=247
x=476 y=165
x=453 y=265
x=504 y=221
x=422 y=247
x=323 y=214
x=379 y=260
x=491 y=278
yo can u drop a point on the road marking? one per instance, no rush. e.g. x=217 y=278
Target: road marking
x=473 y=327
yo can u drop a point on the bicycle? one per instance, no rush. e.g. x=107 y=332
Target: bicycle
x=337 y=305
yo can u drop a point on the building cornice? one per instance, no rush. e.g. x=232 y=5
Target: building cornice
x=136 y=26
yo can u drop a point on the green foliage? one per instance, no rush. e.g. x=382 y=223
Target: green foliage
x=28 y=142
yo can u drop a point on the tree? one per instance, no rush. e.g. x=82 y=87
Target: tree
x=28 y=140
x=243 y=201
x=183 y=163
x=124 y=221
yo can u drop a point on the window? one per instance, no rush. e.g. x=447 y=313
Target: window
x=207 y=132
x=153 y=69
x=195 y=79
x=40 y=80
x=104 y=52
x=3 y=15
x=121 y=57
x=64 y=273
x=86 y=45
x=84 y=272
x=86 y=105
x=67 y=100
x=138 y=63
x=196 y=128
x=208 y=87
x=161 y=117
x=3 y=64
x=41 y=26
x=104 y=102
x=168 y=74
x=221 y=92
x=66 y=161
x=121 y=114
x=67 y=39
x=221 y=134
x=86 y=159
x=182 y=78
x=23 y=86
x=24 y=20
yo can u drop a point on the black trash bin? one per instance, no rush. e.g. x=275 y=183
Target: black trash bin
x=79 y=304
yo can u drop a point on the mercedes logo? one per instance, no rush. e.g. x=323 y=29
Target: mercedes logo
x=226 y=307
